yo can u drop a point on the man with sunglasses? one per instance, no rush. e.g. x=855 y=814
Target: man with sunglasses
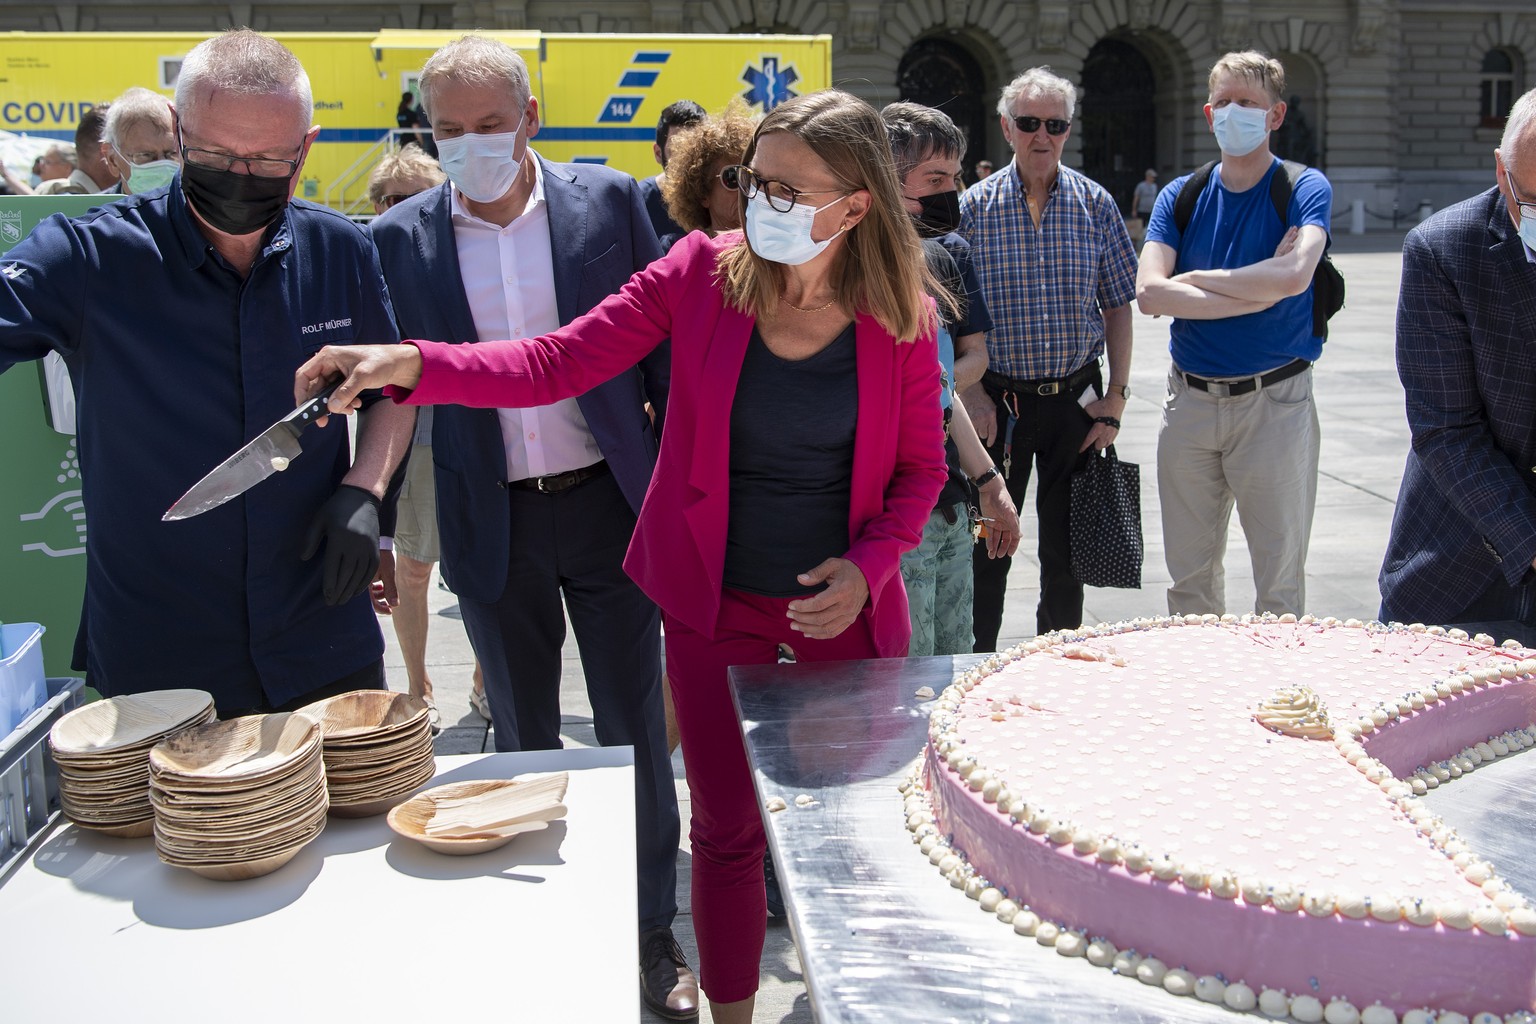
x=1239 y=422
x=182 y=312
x=1058 y=273
x=1463 y=541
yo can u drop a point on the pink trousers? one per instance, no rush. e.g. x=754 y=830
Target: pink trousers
x=729 y=906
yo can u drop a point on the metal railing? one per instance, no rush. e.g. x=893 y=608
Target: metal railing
x=337 y=193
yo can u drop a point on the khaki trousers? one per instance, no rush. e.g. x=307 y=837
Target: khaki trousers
x=1258 y=451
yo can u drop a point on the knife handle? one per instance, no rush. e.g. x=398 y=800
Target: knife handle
x=314 y=408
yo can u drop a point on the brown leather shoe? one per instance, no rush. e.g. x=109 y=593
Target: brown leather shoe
x=667 y=984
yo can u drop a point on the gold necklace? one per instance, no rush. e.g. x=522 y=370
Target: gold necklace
x=802 y=309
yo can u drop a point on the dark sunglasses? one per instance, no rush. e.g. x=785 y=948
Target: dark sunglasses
x=394 y=197
x=1053 y=125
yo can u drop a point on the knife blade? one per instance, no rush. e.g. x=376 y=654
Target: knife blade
x=270 y=452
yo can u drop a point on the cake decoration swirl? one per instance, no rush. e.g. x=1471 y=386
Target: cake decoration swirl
x=1295 y=711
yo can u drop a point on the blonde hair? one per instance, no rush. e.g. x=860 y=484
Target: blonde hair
x=695 y=150
x=409 y=163
x=475 y=60
x=881 y=270
x=1259 y=68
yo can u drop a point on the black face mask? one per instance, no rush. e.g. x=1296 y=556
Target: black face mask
x=941 y=214
x=236 y=204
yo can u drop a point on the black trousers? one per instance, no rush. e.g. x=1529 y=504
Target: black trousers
x=1045 y=435
x=571 y=545
x=369 y=677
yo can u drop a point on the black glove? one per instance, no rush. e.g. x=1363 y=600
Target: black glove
x=349 y=525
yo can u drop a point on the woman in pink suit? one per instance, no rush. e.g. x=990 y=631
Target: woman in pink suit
x=802 y=453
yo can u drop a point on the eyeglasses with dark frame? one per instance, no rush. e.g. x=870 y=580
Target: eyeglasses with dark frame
x=1527 y=207
x=258 y=167
x=390 y=199
x=781 y=197
x=1053 y=125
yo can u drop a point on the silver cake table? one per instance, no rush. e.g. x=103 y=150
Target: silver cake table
x=882 y=936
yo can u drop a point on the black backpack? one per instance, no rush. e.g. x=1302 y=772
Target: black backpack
x=1327 y=282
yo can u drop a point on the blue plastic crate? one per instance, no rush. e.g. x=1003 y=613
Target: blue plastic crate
x=29 y=781
x=22 y=688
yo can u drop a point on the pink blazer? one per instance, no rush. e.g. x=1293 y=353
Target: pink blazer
x=677 y=554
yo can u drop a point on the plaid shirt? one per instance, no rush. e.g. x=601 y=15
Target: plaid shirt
x=1049 y=322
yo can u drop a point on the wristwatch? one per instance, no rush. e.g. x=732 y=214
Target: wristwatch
x=986 y=478
x=1123 y=389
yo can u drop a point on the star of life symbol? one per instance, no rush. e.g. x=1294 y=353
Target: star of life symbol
x=769 y=84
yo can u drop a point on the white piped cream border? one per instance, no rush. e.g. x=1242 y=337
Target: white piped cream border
x=1510 y=911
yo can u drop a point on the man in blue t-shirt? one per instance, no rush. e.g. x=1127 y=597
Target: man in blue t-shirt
x=1239 y=423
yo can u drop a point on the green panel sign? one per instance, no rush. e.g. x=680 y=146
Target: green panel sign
x=42 y=518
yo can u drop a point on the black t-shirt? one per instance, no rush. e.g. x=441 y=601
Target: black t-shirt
x=792 y=430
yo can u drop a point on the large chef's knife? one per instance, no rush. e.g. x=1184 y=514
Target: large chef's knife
x=269 y=453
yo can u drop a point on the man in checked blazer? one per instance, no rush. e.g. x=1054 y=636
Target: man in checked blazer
x=1463 y=540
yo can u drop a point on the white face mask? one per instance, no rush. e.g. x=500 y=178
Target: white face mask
x=483 y=167
x=1239 y=130
x=785 y=237
x=1528 y=229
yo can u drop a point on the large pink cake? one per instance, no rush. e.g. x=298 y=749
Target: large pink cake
x=1229 y=809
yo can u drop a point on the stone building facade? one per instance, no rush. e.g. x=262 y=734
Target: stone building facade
x=1401 y=101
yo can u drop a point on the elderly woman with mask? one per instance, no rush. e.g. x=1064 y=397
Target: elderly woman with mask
x=802 y=455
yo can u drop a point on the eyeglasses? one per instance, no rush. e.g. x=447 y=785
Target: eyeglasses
x=1527 y=206
x=149 y=155
x=781 y=197
x=394 y=197
x=1053 y=125
x=259 y=167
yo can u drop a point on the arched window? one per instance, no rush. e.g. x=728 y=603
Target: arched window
x=1497 y=87
x=941 y=74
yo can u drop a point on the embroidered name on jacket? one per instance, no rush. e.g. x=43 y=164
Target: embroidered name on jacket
x=326 y=325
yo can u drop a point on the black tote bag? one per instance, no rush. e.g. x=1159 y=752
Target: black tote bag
x=1106 y=522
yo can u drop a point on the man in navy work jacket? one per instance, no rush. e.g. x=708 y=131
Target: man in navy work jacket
x=1463 y=539
x=182 y=314
x=538 y=504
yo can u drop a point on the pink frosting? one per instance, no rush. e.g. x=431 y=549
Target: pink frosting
x=1163 y=752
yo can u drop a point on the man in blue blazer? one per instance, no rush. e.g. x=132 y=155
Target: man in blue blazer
x=539 y=504
x=1463 y=540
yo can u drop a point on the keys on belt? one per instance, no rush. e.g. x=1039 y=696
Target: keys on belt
x=1044 y=388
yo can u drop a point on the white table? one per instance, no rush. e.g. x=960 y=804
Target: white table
x=361 y=925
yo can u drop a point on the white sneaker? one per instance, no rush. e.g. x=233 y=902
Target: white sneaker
x=479 y=704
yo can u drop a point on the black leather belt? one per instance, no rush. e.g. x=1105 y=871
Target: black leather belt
x=1233 y=388
x=558 y=482
x=1059 y=386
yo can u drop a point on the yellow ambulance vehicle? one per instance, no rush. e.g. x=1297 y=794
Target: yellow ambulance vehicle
x=599 y=95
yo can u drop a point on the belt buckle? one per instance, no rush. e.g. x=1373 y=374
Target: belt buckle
x=1054 y=387
x=1221 y=389
x=539 y=485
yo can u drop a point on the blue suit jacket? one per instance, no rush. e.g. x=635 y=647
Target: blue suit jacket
x=599 y=237
x=1466 y=353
